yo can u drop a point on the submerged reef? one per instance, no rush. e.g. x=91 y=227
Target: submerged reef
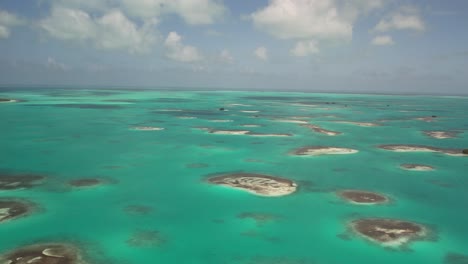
x=138 y=210
x=14 y=208
x=321 y=150
x=320 y=130
x=455 y=258
x=416 y=167
x=21 y=181
x=388 y=232
x=53 y=253
x=362 y=197
x=259 y=218
x=88 y=182
x=146 y=238
x=259 y=184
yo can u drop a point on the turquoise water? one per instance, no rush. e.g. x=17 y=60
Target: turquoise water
x=73 y=134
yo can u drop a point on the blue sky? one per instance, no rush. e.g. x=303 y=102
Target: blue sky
x=315 y=45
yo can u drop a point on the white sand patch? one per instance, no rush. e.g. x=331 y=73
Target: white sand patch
x=269 y=135
x=440 y=134
x=147 y=128
x=9 y=101
x=317 y=151
x=230 y=132
x=170 y=110
x=416 y=167
x=221 y=121
x=291 y=121
x=239 y=105
x=362 y=124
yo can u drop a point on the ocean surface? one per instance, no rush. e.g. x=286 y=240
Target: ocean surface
x=155 y=205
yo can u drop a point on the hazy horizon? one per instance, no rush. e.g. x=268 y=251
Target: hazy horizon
x=365 y=46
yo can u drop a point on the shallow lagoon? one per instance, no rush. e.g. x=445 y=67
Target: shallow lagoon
x=68 y=135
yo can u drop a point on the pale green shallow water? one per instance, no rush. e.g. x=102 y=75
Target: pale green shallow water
x=199 y=222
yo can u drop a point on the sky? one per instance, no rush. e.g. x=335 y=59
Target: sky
x=380 y=46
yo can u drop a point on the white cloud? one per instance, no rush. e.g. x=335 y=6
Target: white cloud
x=383 y=40
x=226 y=57
x=311 y=19
x=54 y=65
x=8 y=20
x=407 y=18
x=176 y=50
x=261 y=53
x=305 y=48
x=194 y=12
x=111 y=31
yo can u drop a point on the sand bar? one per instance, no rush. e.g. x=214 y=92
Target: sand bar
x=53 y=253
x=322 y=150
x=416 y=167
x=441 y=134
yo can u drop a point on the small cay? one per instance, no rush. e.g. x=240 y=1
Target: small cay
x=14 y=208
x=55 y=253
x=441 y=134
x=361 y=124
x=388 y=232
x=321 y=150
x=6 y=100
x=416 y=167
x=23 y=181
x=421 y=148
x=259 y=184
x=362 y=197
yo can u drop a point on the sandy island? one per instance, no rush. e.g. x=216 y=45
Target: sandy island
x=426 y=118
x=321 y=130
x=362 y=197
x=14 y=208
x=388 y=232
x=269 y=135
x=320 y=150
x=421 y=148
x=416 y=167
x=291 y=121
x=12 y=182
x=54 y=253
x=245 y=132
x=362 y=124
x=250 y=125
x=147 y=128
x=259 y=184
x=441 y=134
x=230 y=132
x=221 y=120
